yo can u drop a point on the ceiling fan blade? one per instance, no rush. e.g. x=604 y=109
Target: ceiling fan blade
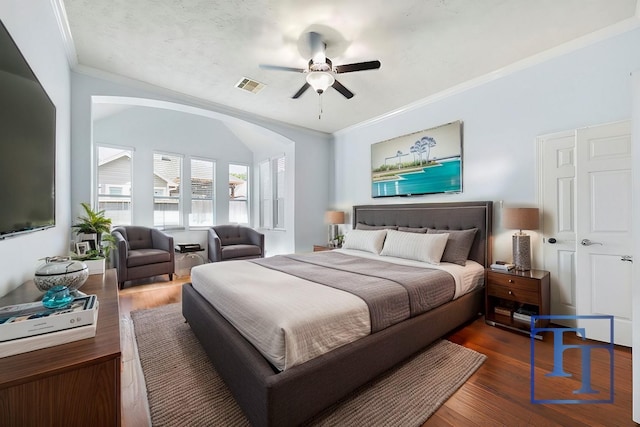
x=343 y=90
x=358 y=66
x=280 y=68
x=301 y=91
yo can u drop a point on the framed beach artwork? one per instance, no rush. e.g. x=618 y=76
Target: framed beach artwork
x=425 y=162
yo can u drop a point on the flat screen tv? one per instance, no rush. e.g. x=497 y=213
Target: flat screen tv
x=27 y=145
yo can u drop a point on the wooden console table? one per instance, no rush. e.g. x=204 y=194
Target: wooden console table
x=73 y=384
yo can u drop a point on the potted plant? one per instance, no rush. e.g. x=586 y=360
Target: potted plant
x=93 y=222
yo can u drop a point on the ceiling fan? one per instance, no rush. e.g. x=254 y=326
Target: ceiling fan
x=320 y=71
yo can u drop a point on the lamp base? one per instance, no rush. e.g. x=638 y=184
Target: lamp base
x=333 y=234
x=521 y=246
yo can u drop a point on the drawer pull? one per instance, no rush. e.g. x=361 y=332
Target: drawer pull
x=510 y=280
x=510 y=293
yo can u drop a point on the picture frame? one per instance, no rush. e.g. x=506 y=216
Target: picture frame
x=92 y=244
x=82 y=248
x=424 y=162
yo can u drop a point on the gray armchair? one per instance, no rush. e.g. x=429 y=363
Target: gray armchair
x=227 y=242
x=142 y=252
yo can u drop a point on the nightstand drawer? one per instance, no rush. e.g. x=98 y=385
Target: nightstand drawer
x=514 y=293
x=516 y=282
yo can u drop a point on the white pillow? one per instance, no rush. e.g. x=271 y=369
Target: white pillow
x=420 y=247
x=365 y=240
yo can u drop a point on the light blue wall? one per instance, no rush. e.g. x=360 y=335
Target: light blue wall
x=147 y=130
x=502 y=119
x=309 y=185
x=32 y=24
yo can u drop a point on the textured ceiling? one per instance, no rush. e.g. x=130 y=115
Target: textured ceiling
x=202 y=48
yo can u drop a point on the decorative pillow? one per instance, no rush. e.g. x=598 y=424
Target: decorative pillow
x=365 y=240
x=413 y=229
x=361 y=226
x=420 y=247
x=458 y=245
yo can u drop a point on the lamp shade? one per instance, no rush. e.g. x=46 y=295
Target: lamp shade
x=320 y=80
x=520 y=218
x=334 y=217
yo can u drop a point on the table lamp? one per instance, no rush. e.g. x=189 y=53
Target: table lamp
x=333 y=218
x=521 y=219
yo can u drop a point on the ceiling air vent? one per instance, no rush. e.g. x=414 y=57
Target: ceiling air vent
x=250 y=85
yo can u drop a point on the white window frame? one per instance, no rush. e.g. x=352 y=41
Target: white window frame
x=270 y=217
x=180 y=198
x=248 y=201
x=96 y=179
x=189 y=200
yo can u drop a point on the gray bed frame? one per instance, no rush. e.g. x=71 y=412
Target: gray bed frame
x=288 y=398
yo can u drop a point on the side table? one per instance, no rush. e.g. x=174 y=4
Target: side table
x=185 y=261
x=72 y=384
x=511 y=289
x=320 y=248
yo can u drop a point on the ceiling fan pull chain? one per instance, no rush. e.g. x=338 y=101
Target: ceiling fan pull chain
x=320 y=104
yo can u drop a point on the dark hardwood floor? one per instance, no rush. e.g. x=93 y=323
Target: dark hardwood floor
x=498 y=394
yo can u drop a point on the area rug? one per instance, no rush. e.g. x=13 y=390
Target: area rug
x=184 y=389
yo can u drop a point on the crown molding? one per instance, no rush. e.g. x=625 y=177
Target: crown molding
x=611 y=31
x=65 y=31
x=192 y=103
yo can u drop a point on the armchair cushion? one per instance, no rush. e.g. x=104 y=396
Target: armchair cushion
x=240 y=251
x=139 y=257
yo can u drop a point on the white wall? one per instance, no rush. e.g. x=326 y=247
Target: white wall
x=147 y=130
x=501 y=121
x=32 y=24
x=635 y=298
x=312 y=150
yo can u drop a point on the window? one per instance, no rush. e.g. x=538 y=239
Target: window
x=272 y=193
x=114 y=183
x=167 y=175
x=279 y=189
x=239 y=194
x=202 y=190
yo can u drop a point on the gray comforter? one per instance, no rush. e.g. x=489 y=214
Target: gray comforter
x=392 y=292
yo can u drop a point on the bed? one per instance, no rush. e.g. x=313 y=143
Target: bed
x=271 y=396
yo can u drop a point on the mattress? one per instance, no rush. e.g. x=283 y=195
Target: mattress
x=290 y=319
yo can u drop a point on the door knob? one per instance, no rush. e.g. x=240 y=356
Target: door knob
x=552 y=240
x=587 y=242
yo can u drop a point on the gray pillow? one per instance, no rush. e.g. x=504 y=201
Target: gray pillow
x=458 y=245
x=413 y=229
x=361 y=226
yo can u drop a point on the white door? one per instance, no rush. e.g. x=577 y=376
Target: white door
x=559 y=224
x=605 y=243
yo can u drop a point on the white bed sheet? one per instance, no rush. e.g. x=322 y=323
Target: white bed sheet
x=288 y=319
x=291 y=320
x=467 y=277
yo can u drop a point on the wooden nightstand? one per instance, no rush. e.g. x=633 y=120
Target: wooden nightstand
x=514 y=289
x=320 y=248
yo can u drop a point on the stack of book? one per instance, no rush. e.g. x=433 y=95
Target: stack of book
x=504 y=311
x=31 y=326
x=523 y=314
x=502 y=266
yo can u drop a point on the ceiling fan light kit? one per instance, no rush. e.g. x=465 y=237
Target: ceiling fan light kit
x=320 y=81
x=320 y=71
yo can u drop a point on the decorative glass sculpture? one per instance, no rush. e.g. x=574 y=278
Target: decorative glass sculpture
x=57 y=297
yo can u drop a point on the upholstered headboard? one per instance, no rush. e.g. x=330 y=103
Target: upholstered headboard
x=450 y=216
